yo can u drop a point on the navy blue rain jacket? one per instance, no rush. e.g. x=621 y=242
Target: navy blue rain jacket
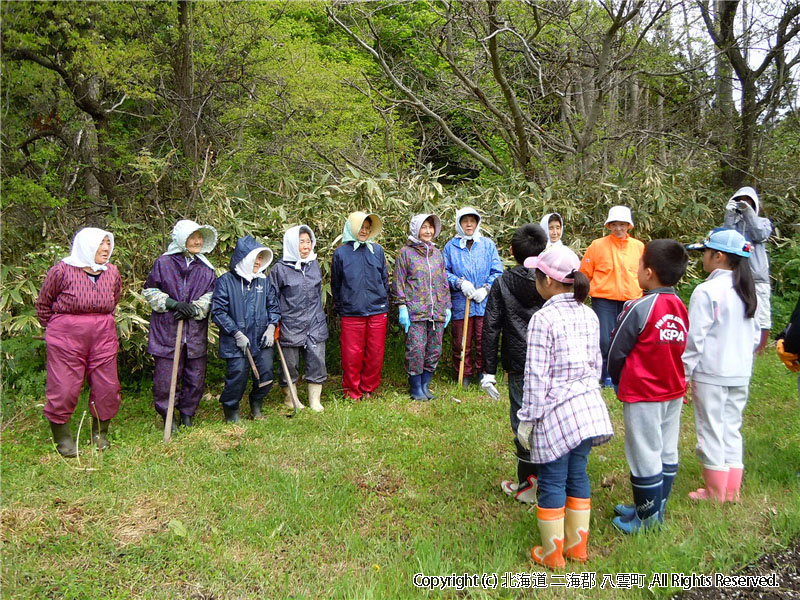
x=359 y=281
x=241 y=306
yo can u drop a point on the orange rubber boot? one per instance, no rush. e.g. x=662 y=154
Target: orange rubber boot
x=576 y=528
x=551 y=526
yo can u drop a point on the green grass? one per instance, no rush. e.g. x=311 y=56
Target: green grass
x=351 y=503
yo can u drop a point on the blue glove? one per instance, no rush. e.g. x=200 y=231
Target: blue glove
x=405 y=321
x=447 y=316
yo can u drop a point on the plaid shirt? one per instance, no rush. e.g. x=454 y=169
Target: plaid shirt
x=562 y=372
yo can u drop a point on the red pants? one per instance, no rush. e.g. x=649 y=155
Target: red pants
x=474 y=334
x=81 y=347
x=363 y=340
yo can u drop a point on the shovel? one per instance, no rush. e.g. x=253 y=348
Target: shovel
x=255 y=369
x=463 y=345
x=173 y=380
x=288 y=377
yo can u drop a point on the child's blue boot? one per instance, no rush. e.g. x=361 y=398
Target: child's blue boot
x=647 y=499
x=627 y=511
x=415 y=388
x=426 y=379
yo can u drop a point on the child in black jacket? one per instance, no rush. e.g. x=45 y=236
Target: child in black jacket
x=512 y=301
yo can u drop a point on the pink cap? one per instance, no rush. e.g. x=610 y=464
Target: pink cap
x=558 y=262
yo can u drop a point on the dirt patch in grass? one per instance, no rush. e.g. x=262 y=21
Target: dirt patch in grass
x=785 y=564
x=144 y=517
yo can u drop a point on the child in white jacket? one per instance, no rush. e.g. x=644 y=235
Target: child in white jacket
x=719 y=360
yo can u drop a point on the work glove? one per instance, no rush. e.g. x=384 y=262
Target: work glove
x=184 y=310
x=448 y=314
x=467 y=288
x=489 y=385
x=731 y=205
x=241 y=341
x=405 y=320
x=268 y=339
x=524 y=431
x=787 y=358
x=480 y=294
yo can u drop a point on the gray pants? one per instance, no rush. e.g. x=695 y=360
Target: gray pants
x=313 y=354
x=651 y=435
x=718 y=422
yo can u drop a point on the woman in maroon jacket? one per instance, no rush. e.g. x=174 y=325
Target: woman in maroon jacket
x=76 y=307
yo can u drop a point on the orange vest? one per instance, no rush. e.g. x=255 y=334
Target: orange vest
x=611 y=264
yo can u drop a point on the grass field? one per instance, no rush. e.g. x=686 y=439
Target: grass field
x=351 y=503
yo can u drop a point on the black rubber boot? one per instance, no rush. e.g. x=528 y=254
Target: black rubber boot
x=426 y=380
x=100 y=434
x=255 y=409
x=231 y=414
x=62 y=436
x=415 y=388
x=186 y=420
x=174 y=428
x=466 y=381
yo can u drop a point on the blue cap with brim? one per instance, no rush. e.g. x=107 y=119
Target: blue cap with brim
x=724 y=240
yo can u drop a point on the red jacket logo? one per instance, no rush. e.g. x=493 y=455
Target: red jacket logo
x=671 y=329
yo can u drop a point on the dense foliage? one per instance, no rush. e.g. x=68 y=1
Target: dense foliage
x=255 y=116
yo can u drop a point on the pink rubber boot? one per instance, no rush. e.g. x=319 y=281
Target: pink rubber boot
x=716 y=480
x=734 y=483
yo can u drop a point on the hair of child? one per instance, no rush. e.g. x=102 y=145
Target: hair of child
x=528 y=240
x=579 y=285
x=743 y=282
x=667 y=258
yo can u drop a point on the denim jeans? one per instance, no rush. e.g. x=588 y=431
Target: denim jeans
x=607 y=312
x=565 y=476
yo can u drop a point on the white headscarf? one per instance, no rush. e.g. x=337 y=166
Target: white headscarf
x=463 y=237
x=750 y=193
x=244 y=268
x=416 y=224
x=85 y=245
x=291 y=246
x=181 y=232
x=545 y=223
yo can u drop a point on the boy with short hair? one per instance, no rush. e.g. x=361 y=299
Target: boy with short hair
x=645 y=361
x=512 y=301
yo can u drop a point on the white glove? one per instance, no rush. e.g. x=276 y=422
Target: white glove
x=524 y=431
x=241 y=341
x=488 y=384
x=731 y=205
x=467 y=288
x=480 y=294
x=268 y=339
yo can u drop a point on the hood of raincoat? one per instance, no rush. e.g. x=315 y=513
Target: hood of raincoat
x=353 y=225
x=545 y=223
x=461 y=212
x=291 y=246
x=244 y=257
x=416 y=223
x=750 y=193
x=84 y=247
x=181 y=232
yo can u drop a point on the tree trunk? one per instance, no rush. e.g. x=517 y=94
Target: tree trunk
x=184 y=84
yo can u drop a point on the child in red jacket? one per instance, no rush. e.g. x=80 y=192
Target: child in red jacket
x=644 y=361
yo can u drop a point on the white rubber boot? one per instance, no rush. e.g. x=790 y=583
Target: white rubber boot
x=288 y=399
x=314 y=395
